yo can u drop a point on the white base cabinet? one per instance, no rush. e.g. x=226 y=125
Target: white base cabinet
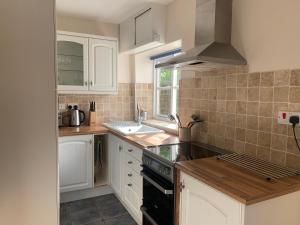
x=201 y=204
x=75 y=154
x=126 y=181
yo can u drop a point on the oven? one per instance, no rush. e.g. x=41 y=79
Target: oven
x=158 y=195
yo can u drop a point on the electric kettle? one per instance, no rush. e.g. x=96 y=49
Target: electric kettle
x=77 y=117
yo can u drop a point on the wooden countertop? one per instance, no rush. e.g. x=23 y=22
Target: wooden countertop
x=70 y=131
x=141 y=141
x=239 y=183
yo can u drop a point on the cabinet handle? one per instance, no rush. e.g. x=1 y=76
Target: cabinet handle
x=130 y=162
x=85 y=83
x=130 y=174
x=181 y=186
x=120 y=148
x=91 y=83
x=130 y=150
x=129 y=185
x=91 y=141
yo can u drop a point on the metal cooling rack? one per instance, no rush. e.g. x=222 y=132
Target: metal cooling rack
x=268 y=170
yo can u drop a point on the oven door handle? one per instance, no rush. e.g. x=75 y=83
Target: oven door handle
x=155 y=184
x=146 y=214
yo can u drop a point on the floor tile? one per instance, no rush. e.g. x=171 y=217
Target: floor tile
x=121 y=220
x=113 y=210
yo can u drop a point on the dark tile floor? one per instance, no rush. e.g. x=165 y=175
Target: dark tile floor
x=102 y=210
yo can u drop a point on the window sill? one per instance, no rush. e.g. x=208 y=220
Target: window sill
x=164 y=125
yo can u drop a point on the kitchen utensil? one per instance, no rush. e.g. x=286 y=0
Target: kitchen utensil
x=184 y=134
x=178 y=119
x=77 y=117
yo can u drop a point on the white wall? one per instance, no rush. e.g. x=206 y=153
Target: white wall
x=80 y=25
x=265 y=32
x=28 y=146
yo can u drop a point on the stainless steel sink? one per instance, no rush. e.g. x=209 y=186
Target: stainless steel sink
x=131 y=128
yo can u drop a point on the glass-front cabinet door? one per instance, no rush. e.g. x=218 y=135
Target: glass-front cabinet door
x=72 y=63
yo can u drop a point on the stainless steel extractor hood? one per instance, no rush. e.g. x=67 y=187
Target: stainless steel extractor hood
x=213 y=38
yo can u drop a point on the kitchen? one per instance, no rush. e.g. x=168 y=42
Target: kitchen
x=164 y=112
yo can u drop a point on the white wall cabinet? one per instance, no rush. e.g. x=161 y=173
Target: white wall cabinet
x=126 y=181
x=144 y=30
x=103 y=61
x=75 y=162
x=86 y=64
x=201 y=204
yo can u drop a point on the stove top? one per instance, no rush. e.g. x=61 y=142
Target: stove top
x=161 y=159
x=184 y=151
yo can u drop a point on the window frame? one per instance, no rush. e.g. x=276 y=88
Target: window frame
x=174 y=87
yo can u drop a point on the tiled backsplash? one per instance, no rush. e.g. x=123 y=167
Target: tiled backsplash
x=240 y=111
x=144 y=97
x=108 y=107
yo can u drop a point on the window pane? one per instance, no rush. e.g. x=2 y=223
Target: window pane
x=178 y=77
x=165 y=77
x=165 y=102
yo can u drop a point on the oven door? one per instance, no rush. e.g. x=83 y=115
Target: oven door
x=158 y=199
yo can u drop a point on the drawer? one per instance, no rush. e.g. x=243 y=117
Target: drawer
x=133 y=163
x=133 y=151
x=131 y=176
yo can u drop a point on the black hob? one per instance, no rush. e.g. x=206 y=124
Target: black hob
x=161 y=159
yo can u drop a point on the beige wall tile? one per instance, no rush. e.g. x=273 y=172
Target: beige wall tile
x=252 y=122
x=265 y=124
x=241 y=107
x=241 y=121
x=242 y=80
x=292 y=147
x=266 y=94
x=293 y=161
x=253 y=94
x=266 y=109
x=231 y=94
x=264 y=139
x=294 y=95
x=278 y=157
x=279 y=142
x=263 y=153
x=281 y=94
x=231 y=80
x=295 y=78
x=231 y=106
x=253 y=79
x=251 y=149
x=252 y=108
x=252 y=136
x=267 y=79
x=241 y=94
x=240 y=134
x=282 y=78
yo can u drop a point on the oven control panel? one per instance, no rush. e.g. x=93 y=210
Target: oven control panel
x=158 y=167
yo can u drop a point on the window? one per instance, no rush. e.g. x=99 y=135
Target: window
x=166 y=91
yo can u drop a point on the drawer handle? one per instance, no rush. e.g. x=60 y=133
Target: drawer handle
x=129 y=185
x=130 y=162
x=130 y=174
x=120 y=148
x=130 y=150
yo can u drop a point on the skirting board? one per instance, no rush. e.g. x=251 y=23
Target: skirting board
x=83 y=194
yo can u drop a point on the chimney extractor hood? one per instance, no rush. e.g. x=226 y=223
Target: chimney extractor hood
x=213 y=38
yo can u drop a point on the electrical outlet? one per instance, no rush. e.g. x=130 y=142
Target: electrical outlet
x=284 y=117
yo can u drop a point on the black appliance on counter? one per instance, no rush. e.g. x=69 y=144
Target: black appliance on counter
x=159 y=178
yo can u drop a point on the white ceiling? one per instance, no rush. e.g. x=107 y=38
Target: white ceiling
x=113 y=11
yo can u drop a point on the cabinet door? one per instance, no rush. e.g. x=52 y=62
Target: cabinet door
x=133 y=199
x=75 y=163
x=144 y=28
x=72 y=63
x=115 y=150
x=103 y=65
x=203 y=205
x=127 y=34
